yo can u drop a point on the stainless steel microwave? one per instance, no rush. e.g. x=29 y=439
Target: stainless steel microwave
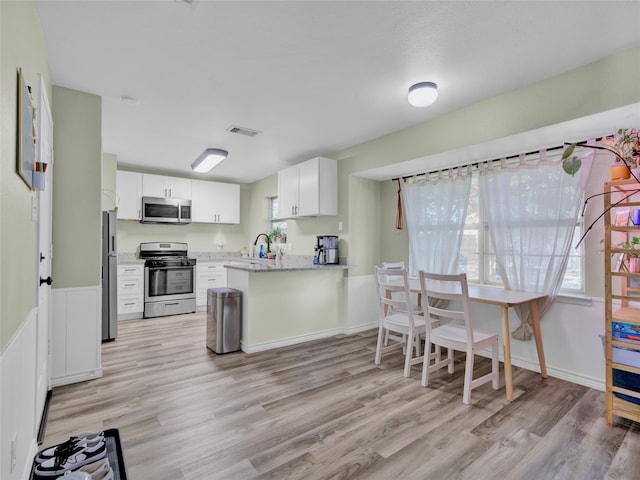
x=166 y=210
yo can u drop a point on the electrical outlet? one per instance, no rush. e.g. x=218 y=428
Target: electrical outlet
x=14 y=451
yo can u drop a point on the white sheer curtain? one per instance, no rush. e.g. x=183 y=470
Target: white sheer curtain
x=435 y=211
x=531 y=210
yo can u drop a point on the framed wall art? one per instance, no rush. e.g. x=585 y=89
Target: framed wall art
x=26 y=137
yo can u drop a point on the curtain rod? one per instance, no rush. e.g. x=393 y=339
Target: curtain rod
x=475 y=164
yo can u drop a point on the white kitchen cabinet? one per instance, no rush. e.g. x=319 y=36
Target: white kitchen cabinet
x=130 y=291
x=215 y=202
x=309 y=189
x=169 y=187
x=129 y=192
x=208 y=275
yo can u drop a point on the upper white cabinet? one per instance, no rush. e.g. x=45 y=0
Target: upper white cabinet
x=129 y=192
x=309 y=189
x=214 y=202
x=161 y=186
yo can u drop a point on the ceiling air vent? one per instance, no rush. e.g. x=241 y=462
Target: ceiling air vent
x=243 y=131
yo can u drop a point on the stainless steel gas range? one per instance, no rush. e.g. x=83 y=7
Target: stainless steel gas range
x=169 y=279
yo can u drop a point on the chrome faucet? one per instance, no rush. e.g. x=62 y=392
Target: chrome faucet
x=268 y=242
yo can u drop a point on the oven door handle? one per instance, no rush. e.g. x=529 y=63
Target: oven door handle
x=172 y=267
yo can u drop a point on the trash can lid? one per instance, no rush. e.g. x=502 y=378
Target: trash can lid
x=223 y=292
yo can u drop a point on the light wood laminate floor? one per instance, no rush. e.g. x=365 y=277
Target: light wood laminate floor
x=323 y=410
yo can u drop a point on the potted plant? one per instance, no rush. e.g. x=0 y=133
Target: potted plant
x=276 y=236
x=625 y=145
x=633 y=253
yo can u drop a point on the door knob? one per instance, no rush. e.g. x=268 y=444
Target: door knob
x=47 y=280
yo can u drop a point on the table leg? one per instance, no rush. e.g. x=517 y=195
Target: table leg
x=535 y=320
x=506 y=346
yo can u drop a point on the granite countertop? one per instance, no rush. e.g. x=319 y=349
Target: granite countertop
x=129 y=259
x=261 y=265
x=290 y=263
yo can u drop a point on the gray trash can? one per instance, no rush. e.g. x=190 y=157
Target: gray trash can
x=223 y=319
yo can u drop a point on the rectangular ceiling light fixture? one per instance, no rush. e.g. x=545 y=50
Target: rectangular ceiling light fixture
x=208 y=159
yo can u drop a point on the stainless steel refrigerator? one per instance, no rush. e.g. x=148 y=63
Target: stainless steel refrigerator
x=109 y=275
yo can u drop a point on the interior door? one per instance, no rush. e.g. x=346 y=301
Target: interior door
x=44 y=253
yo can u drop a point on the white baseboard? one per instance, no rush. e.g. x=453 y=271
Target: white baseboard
x=75 y=378
x=285 y=342
x=586 y=381
x=360 y=328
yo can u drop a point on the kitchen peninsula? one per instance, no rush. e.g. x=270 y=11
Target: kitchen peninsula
x=287 y=304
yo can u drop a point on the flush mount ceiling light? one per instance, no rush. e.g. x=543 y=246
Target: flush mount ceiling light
x=423 y=94
x=208 y=159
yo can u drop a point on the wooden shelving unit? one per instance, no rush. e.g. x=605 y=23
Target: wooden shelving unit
x=622 y=302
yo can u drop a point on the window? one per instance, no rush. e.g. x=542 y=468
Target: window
x=478 y=259
x=274 y=221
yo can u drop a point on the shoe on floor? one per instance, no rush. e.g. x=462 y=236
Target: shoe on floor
x=95 y=469
x=73 y=458
x=85 y=438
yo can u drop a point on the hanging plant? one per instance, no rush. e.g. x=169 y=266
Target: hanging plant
x=625 y=145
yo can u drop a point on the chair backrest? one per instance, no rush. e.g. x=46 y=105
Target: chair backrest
x=438 y=293
x=396 y=266
x=386 y=286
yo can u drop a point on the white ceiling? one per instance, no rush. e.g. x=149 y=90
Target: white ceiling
x=314 y=77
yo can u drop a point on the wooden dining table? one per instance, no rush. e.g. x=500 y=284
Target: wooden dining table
x=505 y=299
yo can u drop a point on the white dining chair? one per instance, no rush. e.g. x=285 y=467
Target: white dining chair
x=447 y=296
x=397 y=315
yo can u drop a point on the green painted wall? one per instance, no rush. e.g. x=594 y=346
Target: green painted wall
x=21 y=46
x=77 y=188
x=109 y=167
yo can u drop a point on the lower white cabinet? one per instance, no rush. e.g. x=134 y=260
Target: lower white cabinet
x=130 y=291
x=208 y=275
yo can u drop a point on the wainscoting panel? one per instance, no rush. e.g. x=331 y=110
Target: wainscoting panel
x=360 y=304
x=17 y=402
x=76 y=334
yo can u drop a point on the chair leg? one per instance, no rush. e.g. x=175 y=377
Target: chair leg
x=381 y=334
x=408 y=355
x=495 y=366
x=468 y=378
x=417 y=345
x=426 y=363
x=451 y=365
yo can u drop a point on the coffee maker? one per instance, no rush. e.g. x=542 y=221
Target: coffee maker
x=326 y=249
